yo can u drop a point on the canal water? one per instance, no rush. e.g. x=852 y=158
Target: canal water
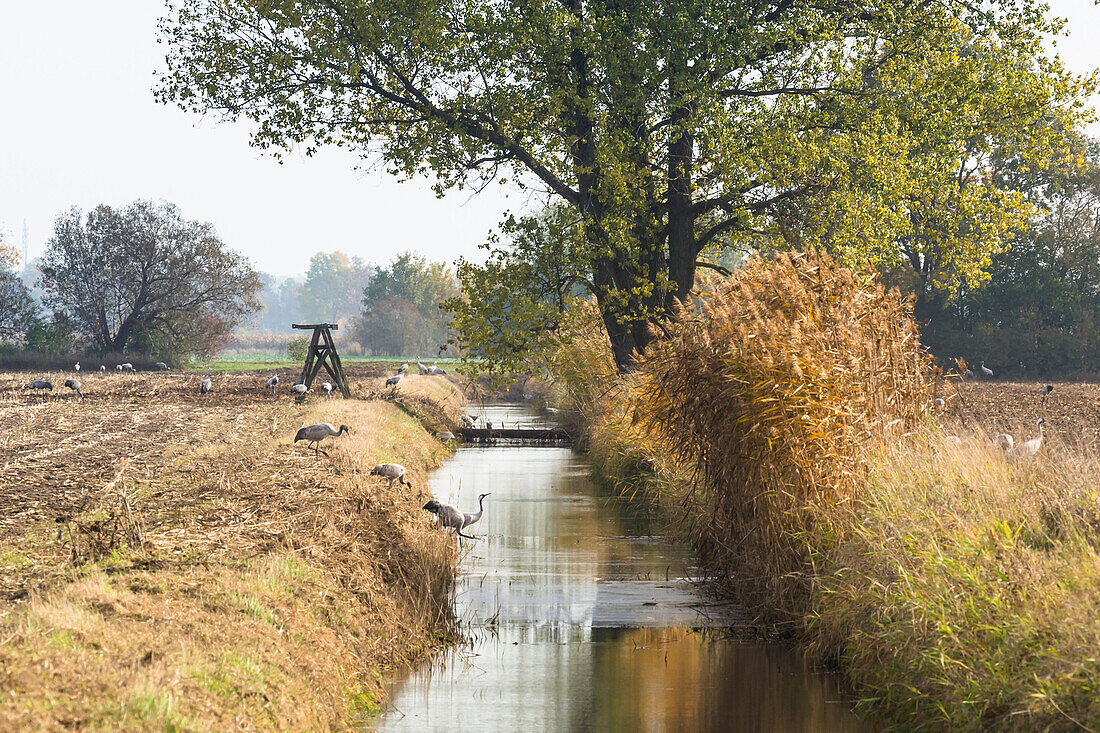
x=582 y=617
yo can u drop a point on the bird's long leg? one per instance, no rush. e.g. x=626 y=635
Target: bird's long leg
x=467 y=536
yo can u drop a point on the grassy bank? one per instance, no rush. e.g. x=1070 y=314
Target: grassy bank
x=172 y=561
x=786 y=428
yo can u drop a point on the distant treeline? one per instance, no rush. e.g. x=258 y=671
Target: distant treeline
x=384 y=310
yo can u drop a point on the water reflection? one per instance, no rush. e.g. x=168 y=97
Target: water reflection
x=584 y=619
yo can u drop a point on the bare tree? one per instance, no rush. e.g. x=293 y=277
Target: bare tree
x=145 y=278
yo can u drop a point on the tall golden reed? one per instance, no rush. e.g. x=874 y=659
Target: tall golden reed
x=774 y=385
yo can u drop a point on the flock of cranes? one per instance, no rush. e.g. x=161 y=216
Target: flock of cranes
x=1005 y=441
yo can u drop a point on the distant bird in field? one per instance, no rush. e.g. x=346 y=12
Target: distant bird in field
x=1004 y=441
x=74 y=385
x=160 y=366
x=987 y=371
x=395 y=379
x=314 y=434
x=39 y=384
x=392 y=471
x=1046 y=389
x=452 y=518
x=102 y=368
x=435 y=371
x=326 y=387
x=423 y=369
x=969 y=373
x=118 y=367
x=205 y=386
x=1032 y=446
x=447 y=437
x=403 y=368
x=300 y=389
x=272 y=383
x=76 y=367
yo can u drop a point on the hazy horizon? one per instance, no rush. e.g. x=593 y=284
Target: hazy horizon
x=80 y=127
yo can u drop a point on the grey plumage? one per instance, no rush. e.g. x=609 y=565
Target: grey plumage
x=205 y=386
x=1046 y=389
x=299 y=389
x=452 y=518
x=986 y=370
x=327 y=387
x=392 y=471
x=1030 y=447
x=314 y=434
x=74 y=385
x=272 y=383
x=395 y=379
x=39 y=384
x=160 y=366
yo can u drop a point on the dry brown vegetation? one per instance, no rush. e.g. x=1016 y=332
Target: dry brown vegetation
x=790 y=430
x=170 y=560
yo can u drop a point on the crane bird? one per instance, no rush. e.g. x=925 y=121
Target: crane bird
x=395 y=379
x=392 y=471
x=1030 y=447
x=987 y=371
x=102 y=368
x=76 y=367
x=452 y=518
x=39 y=384
x=1004 y=441
x=435 y=371
x=447 y=437
x=1046 y=389
x=467 y=421
x=273 y=383
x=423 y=369
x=74 y=385
x=205 y=386
x=969 y=372
x=314 y=434
x=327 y=387
x=300 y=389
x=160 y=366
x=403 y=368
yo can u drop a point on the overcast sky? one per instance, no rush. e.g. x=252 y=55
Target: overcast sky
x=78 y=126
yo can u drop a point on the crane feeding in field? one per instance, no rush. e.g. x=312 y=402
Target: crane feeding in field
x=39 y=384
x=76 y=367
x=1030 y=447
x=272 y=383
x=160 y=366
x=102 y=368
x=1045 y=390
x=300 y=389
x=435 y=371
x=391 y=471
x=326 y=387
x=969 y=373
x=314 y=434
x=74 y=385
x=205 y=386
x=1004 y=441
x=395 y=379
x=987 y=371
x=452 y=518
x=403 y=368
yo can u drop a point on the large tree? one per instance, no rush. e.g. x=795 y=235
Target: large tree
x=401 y=307
x=144 y=278
x=665 y=126
x=333 y=287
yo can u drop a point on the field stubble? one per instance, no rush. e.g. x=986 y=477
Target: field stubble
x=170 y=559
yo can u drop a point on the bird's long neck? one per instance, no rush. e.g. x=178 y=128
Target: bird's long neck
x=343 y=429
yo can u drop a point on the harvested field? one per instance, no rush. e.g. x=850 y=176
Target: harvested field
x=1072 y=410
x=172 y=559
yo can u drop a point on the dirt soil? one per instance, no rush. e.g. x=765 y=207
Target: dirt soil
x=1071 y=411
x=170 y=559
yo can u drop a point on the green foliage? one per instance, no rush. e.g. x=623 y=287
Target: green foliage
x=401 y=307
x=51 y=336
x=333 y=288
x=512 y=304
x=665 y=127
x=296 y=349
x=1039 y=315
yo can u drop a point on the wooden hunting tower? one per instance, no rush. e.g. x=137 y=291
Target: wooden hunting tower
x=322 y=353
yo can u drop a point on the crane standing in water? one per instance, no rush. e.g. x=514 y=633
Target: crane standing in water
x=452 y=518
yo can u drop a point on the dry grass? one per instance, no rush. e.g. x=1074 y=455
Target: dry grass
x=788 y=429
x=172 y=561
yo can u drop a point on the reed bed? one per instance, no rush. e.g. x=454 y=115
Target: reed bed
x=788 y=428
